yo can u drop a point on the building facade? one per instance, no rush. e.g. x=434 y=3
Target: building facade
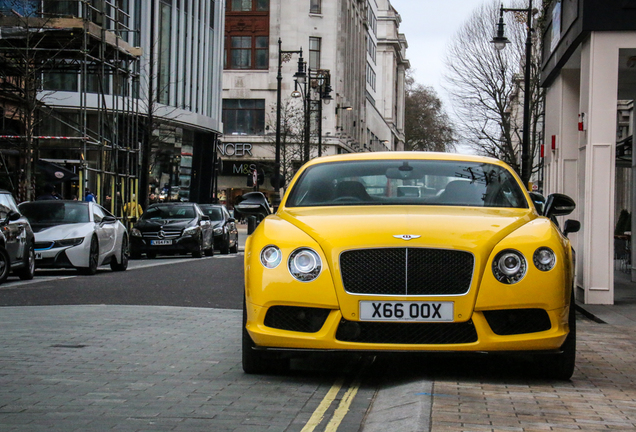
x=588 y=69
x=128 y=97
x=353 y=100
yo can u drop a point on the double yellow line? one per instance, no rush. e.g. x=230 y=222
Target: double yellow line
x=341 y=411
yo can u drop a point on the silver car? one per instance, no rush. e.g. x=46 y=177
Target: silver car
x=76 y=234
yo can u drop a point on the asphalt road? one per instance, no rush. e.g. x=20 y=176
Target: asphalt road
x=210 y=282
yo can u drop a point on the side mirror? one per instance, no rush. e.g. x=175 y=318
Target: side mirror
x=254 y=205
x=538 y=200
x=109 y=219
x=558 y=205
x=571 y=226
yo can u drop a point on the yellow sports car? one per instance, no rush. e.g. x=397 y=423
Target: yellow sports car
x=410 y=251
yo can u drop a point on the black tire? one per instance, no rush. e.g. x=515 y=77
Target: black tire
x=225 y=246
x=234 y=249
x=123 y=257
x=210 y=252
x=254 y=361
x=198 y=253
x=93 y=258
x=561 y=366
x=28 y=270
x=5 y=264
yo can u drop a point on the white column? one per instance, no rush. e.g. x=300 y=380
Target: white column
x=597 y=144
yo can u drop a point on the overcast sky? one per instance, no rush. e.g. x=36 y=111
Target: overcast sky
x=429 y=26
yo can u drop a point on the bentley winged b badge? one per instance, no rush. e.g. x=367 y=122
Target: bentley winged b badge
x=407 y=237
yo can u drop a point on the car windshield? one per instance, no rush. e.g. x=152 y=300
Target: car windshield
x=55 y=212
x=215 y=213
x=168 y=211
x=407 y=182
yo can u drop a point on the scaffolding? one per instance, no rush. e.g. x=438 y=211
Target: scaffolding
x=69 y=97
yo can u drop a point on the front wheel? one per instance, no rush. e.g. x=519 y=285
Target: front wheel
x=256 y=362
x=5 y=264
x=28 y=271
x=122 y=265
x=93 y=258
x=561 y=366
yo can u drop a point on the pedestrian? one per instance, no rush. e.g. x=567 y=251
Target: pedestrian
x=133 y=209
x=49 y=193
x=88 y=195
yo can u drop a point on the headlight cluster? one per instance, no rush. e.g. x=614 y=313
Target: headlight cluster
x=68 y=242
x=218 y=231
x=135 y=232
x=192 y=231
x=510 y=266
x=304 y=264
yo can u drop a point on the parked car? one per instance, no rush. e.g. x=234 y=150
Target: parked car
x=76 y=234
x=16 y=241
x=349 y=264
x=225 y=232
x=172 y=228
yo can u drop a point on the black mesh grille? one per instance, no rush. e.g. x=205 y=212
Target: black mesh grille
x=406 y=333
x=518 y=321
x=300 y=319
x=406 y=271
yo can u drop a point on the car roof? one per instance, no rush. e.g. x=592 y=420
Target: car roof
x=401 y=155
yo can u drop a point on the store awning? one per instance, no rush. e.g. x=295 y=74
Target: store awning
x=56 y=173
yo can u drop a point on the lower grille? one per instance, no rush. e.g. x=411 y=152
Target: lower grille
x=518 y=321
x=406 y=333
x=300 y=319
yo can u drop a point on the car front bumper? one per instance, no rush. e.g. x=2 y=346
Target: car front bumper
x=186 y=244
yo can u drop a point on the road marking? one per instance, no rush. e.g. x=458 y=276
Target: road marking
x=343 y=408
x=319 y=413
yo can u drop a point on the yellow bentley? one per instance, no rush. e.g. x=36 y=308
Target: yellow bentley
x=410 y=251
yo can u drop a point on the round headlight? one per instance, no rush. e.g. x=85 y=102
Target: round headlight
x=305 y=264
x=509 y=266
x=271 y=256
x=544 y=259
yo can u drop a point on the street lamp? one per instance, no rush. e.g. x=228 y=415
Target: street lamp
x=283 y=56
x=500 y=42
x=320 y=82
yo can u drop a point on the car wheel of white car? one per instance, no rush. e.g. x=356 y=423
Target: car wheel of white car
x=27 y=272
x=5 y=264
x=123 y=257
x=93 y=258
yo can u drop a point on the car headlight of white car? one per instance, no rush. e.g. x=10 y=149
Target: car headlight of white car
x=68 y=242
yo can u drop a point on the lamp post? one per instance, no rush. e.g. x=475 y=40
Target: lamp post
x=500 y=42
x=284 y=56
x=320 y=82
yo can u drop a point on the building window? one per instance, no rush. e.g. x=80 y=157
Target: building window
x=247 y=52
x=371 y=77
x=247 y=5
x=314 y=53
x=315 y=6
x=244 y=116
x=60 y=81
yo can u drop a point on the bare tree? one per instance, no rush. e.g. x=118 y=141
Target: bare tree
x=486 y=85
x=292 y=138
x=426 y=124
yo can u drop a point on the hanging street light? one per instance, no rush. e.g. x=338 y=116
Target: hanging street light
x=500 y=42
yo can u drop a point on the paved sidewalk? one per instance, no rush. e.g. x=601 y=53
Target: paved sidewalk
x=623 y=311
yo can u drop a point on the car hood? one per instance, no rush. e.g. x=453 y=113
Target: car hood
x=45 y=232
x=466 y=228
x=156 y=224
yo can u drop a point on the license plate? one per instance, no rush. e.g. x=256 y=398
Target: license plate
x=406 y=311
x=160 y=242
